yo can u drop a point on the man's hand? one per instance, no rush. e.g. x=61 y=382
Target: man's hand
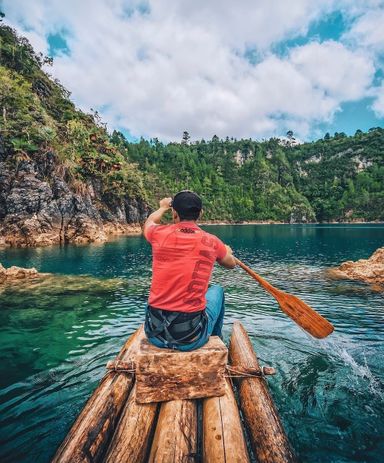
x=165 y=203
x=228 y=261
x=155 y=217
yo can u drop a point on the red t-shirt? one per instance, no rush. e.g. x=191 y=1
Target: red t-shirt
x=183 y=259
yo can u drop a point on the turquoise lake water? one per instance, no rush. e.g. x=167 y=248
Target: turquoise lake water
x=57 y=335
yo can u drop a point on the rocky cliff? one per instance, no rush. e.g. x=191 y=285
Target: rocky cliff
x=61 y=180
x=39 y=207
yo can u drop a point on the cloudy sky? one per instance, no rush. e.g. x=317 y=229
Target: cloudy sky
x=246 y=68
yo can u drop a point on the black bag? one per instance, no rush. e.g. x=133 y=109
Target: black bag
x=174 y=327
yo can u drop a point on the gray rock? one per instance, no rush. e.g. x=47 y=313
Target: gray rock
x=39 y=206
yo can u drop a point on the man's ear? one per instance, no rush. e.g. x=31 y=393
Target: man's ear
x=201 y=213
x=175 y=215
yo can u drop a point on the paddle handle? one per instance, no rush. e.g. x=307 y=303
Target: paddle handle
x=271 y=289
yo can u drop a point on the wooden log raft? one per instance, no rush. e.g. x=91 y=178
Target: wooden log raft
x=175 y=438
x=132 y=439
x=143 y=433
x=89 y=436
x=223 y=438
x=268 y=439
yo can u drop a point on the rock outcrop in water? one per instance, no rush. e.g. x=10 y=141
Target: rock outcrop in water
x=17 y=273
x=368 y=270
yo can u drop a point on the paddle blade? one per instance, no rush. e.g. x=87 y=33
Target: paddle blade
x=295 y=308
x=311 y=321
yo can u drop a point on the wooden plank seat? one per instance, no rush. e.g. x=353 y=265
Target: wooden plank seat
x=168 y=374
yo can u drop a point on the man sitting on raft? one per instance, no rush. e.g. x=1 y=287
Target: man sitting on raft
x=182 y=312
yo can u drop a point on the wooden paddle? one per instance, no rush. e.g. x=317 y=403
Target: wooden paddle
x=295 y=308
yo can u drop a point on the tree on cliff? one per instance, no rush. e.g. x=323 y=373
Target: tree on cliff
x=186 y=137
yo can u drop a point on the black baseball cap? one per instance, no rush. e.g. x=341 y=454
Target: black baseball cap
x=187 y=203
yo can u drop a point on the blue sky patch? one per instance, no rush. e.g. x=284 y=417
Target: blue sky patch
x=57 y=44
x=143 y=8
x=353 y=115
x=379 y=76
x=127 y=134
x=330 y=27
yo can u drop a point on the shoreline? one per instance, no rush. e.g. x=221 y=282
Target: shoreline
x=108 y=232
x=114 y=231
x=270 y=222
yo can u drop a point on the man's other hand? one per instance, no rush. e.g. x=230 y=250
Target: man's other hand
x=155 y=217
x=165 y=203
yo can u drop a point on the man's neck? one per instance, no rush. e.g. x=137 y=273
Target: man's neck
x=190 y=223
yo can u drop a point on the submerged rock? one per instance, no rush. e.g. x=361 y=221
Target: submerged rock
x=68 y=288
x=368 y=270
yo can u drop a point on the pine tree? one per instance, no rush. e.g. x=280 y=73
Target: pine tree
x=186 y=138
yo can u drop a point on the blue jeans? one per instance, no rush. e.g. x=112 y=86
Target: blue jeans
x=215 y=315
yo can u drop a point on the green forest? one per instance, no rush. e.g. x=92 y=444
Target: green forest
x=336 y=178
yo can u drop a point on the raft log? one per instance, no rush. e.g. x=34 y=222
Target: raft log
x=175 y=438
x=132 y=439
x=268 y=439
x=89 y=436
x=223 y=438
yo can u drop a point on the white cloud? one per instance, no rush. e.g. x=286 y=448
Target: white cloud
x=181 y=64
x=367 y=34
x=247 y=22
x=341 y=73
x=378 y=104
x=368 y=31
